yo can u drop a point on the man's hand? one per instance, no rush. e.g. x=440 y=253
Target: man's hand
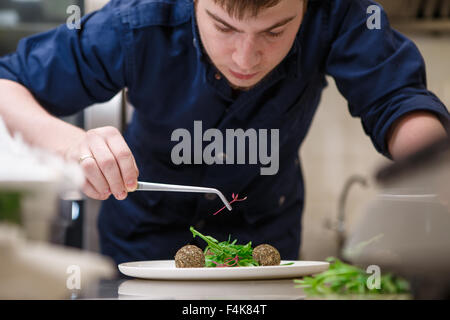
x=107 y=162
x=413 y=132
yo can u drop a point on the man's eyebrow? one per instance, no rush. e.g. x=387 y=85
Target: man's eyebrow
x=276 y=25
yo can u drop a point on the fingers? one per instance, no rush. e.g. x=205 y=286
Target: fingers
x=89 y=190
x=97 y=183
x=112 y=168
x=107 y=164
x=125 y=160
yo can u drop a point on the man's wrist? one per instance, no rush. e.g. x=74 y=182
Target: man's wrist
x=412 y=132
x=63 y=137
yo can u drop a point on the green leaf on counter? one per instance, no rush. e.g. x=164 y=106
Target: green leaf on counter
x=344 y=279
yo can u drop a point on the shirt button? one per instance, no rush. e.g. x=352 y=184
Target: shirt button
x=296 y=162
x=194 y=42
x=210 y=196
x=218 y=76
x=281 y=201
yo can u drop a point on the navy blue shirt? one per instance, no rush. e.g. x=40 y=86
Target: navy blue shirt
x=152 y=47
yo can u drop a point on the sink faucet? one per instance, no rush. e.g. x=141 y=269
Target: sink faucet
x=339 y=225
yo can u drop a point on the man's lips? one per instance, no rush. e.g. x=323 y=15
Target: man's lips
x=243 y=76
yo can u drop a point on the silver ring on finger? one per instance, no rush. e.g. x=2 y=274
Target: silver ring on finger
x=82 y=158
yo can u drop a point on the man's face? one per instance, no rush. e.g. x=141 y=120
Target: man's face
x=247 y=50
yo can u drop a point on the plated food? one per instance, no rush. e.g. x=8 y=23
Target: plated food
x=225 y=254
x=266 y=255
x=190 y=256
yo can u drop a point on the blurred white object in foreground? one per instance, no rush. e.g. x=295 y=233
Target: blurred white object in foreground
x=37 y=270
x=21 y=164
x=41 y=178
x=30 y=266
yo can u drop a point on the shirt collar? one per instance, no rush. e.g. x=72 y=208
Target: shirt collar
x=195 y=33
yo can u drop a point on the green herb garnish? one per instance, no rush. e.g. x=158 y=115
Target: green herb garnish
x=342 y=278
x=226 y=253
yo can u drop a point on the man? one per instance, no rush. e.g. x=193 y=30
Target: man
x=230 y=64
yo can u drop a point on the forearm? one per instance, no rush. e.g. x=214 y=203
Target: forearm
x=22 y=113
x=413 y=132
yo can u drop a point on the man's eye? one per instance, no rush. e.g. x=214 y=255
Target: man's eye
x=222 y=29
x=274 y=34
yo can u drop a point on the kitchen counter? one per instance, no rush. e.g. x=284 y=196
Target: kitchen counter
x=277 y=289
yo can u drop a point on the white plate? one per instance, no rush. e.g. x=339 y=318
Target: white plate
x=166 y=270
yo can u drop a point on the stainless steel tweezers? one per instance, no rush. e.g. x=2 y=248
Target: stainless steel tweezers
x=150 y=186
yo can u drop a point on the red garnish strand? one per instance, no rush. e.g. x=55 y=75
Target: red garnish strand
x=227 y=261
x=235 y=198
x=219 y=265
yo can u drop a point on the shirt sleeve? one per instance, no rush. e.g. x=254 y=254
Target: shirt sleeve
x=69 y=69
x=380 y=72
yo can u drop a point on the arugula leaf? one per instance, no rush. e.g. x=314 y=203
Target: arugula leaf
x=342 y=278
x=222 y=253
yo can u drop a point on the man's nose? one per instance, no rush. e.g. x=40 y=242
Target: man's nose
x=246 y=55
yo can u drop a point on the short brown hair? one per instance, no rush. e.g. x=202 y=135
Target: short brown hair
x=240 y=9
